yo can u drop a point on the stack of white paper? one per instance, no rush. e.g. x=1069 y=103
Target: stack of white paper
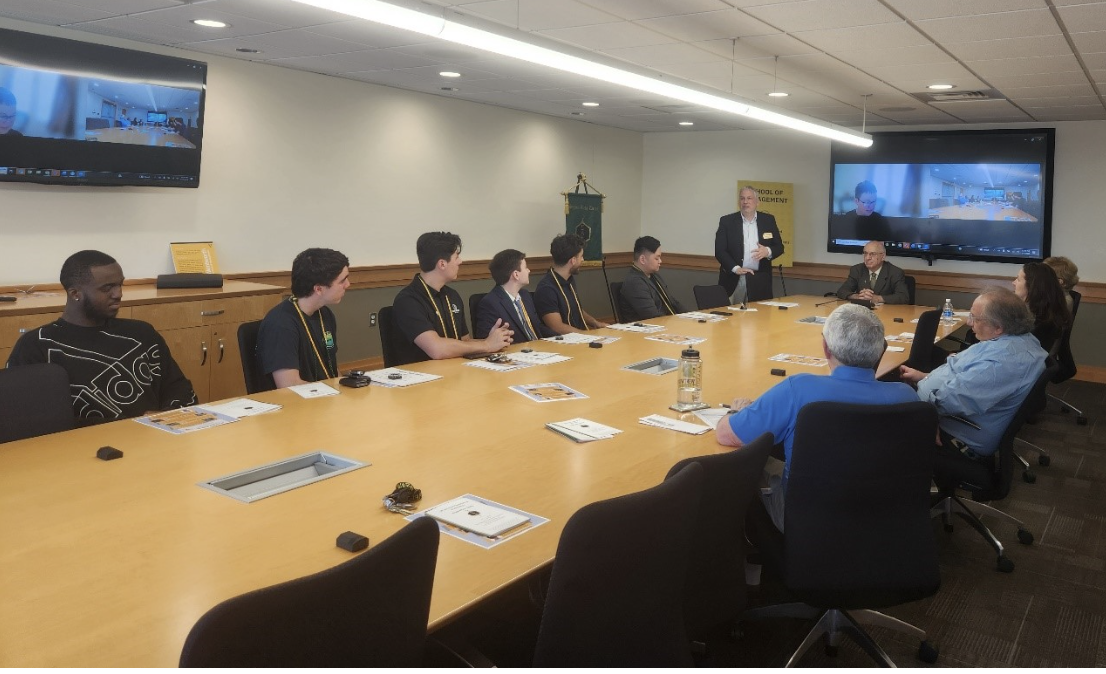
x=673 y=424
x=669 y=338
x=506 y=365
x=469 y=514
x=313 y=390
x=582 y=430
x=577 y=338
x=387 y=379
x=240 y=407
x=702 y=316
x=540 y=357
x=636 y=327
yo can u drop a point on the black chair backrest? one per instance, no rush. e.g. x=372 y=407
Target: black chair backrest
x=856 y=514
x=1064 y=357
x=474 y=301
x=256 y=380
x=370 y=611
x=715 y=588
x=911 y=287
x=390 y=338
x=616 y=592
x=614 y=291
x=923 y=348
x=1006 y=461
x=34 y=400
x=710 y=297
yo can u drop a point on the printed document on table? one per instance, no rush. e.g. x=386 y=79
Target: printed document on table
x=702 y=316
x=478 y=517
x=636 y=327
x=673 y=424
x=772 y=303
x=540 y=357
x=796 y=359
x=548 y=392
x=393 y=377
x=502 y=364
x=185 y=420
x=577 y=338
x=669 y=338
x=740 y=310
x=582 y=430
x=313 y=390
x=240 y=407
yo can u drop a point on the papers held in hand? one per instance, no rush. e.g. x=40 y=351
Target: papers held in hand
x=477 y=517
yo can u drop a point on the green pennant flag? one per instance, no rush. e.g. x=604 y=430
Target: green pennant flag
x=584 y=217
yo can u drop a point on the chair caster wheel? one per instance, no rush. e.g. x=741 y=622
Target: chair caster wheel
x=1028 y=476
x=1025 y=537
x=1082 y=421
x=1044 y=460
x=927 y=652
x=1005 y=564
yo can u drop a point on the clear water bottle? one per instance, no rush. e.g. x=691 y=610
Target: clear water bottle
x=946 y=313
x=689 y=382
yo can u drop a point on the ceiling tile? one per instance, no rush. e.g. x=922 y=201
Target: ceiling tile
x=534 y=15
x=1004 y=82
x=281 y=44
x=932 y=72
x=371 y=59
x=607 y=36
x=59 y=13
x=1026 y=23
x=1083 y=18
x=1033 y=65
x=917 y=10
x=1095 y=61
x=663 y=54
x=1043 y=45
x=887 y=36
x=983 y=110
x=288 y=14
x=729 y=23
x=1090 y=42
x=369 y=34
x=1037 y=90
x=648 y=9
x=823 y=14
x=1055 y=102
x=903 y=56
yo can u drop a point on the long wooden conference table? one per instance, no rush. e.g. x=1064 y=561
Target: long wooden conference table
x=111 y=563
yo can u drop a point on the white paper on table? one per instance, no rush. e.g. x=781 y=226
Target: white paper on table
x=476 y=516
x=712 y=416
x=740 y=310
x=702 y=316
x=540 y=357
x=241 y=407
x=577 y=338
x=406 y=377
x=772 y=303
x=636 y=327
x=673 y=424
x=583 y=430
x=513 y=364
x=313 y=390
x=668 y=338
x=896 y=349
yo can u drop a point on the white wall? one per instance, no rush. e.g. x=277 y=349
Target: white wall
x=690 y=180
x=293 y=160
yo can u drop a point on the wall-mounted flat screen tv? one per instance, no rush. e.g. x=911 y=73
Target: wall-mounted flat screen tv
x=971 y=195
x=76 y=113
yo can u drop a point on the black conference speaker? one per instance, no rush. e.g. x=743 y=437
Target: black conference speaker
x=190 y=281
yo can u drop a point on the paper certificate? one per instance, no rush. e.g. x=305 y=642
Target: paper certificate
x=670 y=338
x=197 y=257
x=548 y=393
x=185 y=420
x=468 y=514
x=795 y=359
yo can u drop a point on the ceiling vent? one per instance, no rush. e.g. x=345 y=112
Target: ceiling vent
x=958 y=96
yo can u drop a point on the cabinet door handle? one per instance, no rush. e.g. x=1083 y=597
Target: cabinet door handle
x=219 y=312
x=221 y=351
x=203 y=347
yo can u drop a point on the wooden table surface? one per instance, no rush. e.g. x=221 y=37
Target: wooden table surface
x=111 y=563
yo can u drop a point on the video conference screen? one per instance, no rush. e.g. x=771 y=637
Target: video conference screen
x=85 y=114
x=977 y=195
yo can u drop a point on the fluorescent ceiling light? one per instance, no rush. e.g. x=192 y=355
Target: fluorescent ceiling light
x=451 y=31
x=209 y=23
x=778 y=94
x=590 y=104
x=687 y=123
x=449 y=73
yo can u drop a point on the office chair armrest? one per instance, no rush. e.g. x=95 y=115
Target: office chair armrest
x=959 y=341
x=962 y=420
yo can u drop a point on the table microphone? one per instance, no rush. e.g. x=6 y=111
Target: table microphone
x=783 y=281
x=822 y=304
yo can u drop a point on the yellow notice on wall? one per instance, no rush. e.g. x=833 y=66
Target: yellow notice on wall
x=777 y=199
x=194 y=257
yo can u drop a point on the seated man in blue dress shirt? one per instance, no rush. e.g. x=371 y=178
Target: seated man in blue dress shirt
x=509 y=301
x=853 y=342
x=987 y=382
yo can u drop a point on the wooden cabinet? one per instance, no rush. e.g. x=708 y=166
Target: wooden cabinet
x=199 y=325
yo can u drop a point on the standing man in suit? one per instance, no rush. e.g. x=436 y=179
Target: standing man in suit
x=875 y=280
x=744 y=245
x=509 y=302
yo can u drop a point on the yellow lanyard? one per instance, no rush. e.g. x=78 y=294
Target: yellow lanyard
x=314 y=347
x=526 y=316
x=437 y=311
x=660 y=291
x=568 y=307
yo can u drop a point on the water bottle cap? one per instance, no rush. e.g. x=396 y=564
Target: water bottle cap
x=690 y=353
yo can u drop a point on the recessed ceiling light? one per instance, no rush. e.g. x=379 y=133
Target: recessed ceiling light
x=941 y=86
x=687 y=123
x=778 y=94
x=590 y=104
x=577 y=114
x=247 y=50
x=449 y=73
x=209 y=23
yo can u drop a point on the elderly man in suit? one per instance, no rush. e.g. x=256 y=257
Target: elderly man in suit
x=744 y=246
x=509 y=301
x=875 y=280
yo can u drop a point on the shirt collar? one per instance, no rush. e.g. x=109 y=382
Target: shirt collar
x=854 y=373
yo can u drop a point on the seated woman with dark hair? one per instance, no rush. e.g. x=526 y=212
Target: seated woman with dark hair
x=1039 y=287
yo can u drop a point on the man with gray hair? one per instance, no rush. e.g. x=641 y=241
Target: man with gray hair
x=853 y=342
x=987 y=382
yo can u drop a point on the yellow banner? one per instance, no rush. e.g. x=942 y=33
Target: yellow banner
x=777 y=199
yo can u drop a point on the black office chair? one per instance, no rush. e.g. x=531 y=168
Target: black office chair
x=474 y=301
x=715 y=588
x=857 y=528
x=35 y=400
x=986 y=480
x=911 y=287
x=710 y=297
x=256 y=380
x=615 y=595
x=391 y=339
x=925 y=355
x=614 y=291
x=1066 y=360
x=370 y=611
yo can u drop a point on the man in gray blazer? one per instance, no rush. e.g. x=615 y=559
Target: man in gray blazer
x=875 y=280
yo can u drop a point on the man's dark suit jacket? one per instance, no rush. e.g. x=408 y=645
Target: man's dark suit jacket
x=639 y=298
x=891 y=283
x=729 y=250
x=498 y=305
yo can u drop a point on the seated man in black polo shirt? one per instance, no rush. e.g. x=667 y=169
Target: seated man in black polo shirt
x=431 y=315
x=298 y=339
x=555 y=298
x=118 y=368
x=644 y=293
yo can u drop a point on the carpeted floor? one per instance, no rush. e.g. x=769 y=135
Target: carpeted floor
x=1050 y=612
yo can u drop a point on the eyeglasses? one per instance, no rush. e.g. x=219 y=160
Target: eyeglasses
x=868 y=203
x=972 y=318
x=867 y=254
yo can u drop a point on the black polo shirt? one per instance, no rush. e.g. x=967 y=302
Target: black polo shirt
x=283 y=344
x=551 y=295
x=418 y=308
